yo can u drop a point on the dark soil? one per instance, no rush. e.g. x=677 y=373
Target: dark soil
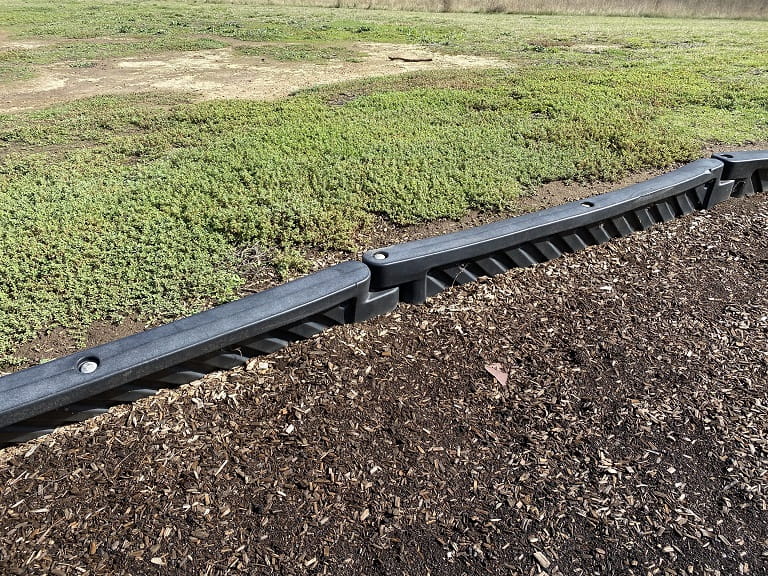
x=604 y=413
x=58 y=342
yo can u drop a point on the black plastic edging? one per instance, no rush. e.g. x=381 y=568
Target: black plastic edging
x=85 y=384
x=423 y=268
x=748 y=170
x=79 y=385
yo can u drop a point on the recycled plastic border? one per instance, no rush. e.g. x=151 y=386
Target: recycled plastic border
x=422 y=268
x=82 y=385
x=177 y=353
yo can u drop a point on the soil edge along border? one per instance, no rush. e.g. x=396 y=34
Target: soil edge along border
x=85 y=384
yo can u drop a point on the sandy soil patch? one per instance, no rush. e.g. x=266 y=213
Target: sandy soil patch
x=221 y=73
x=8 y=43
x=594 y=48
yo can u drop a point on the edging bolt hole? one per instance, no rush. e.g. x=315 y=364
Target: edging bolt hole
x=380 y=256
x=588 y=204
x=88 y=365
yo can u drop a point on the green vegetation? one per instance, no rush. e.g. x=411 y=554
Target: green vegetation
x=139 y=205
x=75 y=51
x=294 y=52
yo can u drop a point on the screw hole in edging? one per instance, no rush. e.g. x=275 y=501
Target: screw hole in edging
x=380 y=256
x=588 y=204
x=88 y=365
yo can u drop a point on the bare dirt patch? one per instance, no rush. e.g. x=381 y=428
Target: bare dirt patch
x=8 y=43
x=594 y=48
x=58 y=341
x=221 y=74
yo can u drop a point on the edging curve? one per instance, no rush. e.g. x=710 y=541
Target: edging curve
x=87 y=383
x=70 y=389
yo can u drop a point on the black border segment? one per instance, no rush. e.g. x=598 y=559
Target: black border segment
x=185 y=350
x=422 y=268
x=35 y=401
x=748 y=170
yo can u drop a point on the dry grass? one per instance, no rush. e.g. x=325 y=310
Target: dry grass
x=666 y=8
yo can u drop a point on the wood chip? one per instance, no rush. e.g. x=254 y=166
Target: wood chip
x=542 y=560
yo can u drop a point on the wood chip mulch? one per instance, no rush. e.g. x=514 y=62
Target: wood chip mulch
x=606 y=413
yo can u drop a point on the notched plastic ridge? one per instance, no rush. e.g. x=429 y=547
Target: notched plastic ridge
x=748 y=170
x=81 y=385
x=423 y=268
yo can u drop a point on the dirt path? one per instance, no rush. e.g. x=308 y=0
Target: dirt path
x=222 y=73
x=605 y=413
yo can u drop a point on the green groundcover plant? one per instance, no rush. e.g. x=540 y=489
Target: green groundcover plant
x=140 y=205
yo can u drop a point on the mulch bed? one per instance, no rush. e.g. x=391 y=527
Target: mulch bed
x=605 y=413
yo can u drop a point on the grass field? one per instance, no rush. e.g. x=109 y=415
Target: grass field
x=654 y=8
x=144 y=205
